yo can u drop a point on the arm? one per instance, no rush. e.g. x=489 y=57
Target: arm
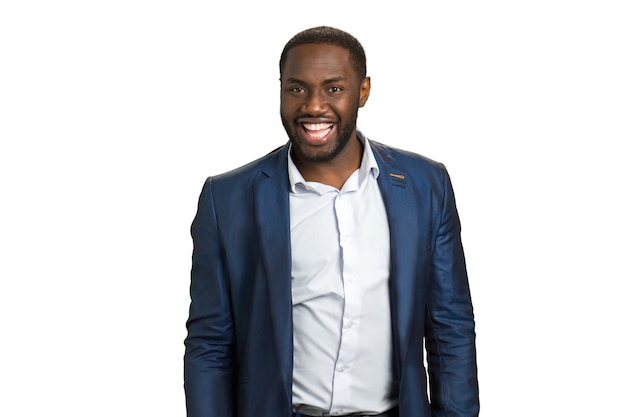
x=209 y=359
x=450 y=336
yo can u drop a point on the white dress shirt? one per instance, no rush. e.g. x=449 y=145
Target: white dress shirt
x=340 y=294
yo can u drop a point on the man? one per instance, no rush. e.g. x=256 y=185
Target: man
x=321 y=269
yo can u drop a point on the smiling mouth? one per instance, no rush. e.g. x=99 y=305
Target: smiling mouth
x=317 y=131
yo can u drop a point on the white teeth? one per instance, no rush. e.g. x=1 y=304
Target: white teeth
x=317 y=126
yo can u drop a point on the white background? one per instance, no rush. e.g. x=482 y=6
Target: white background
x=113 y=113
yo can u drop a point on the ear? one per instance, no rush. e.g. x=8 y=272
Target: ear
x=365 y=91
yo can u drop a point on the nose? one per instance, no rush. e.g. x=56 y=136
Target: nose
x=315 y=103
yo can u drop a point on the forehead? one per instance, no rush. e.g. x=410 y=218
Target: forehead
x=311 y=60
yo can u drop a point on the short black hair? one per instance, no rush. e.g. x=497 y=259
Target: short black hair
x=332 y=36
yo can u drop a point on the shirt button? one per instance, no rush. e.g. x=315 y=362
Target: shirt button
x=350 y=324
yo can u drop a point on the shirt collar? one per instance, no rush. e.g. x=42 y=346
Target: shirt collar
x=368 y=164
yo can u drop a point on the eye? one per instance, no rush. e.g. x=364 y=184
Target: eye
x=297 y=90
x=335 y=89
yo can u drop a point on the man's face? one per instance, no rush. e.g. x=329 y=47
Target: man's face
x=319 y=100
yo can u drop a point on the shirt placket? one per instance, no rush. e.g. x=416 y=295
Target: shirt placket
x=343 y=375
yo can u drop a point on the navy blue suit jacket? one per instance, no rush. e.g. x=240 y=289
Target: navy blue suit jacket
x=239 y=348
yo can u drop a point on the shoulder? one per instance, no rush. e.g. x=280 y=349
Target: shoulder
x=269 y=164
x=406 y=161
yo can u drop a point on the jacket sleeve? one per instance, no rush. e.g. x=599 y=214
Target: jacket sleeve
x=450 y=334
x=209 y=345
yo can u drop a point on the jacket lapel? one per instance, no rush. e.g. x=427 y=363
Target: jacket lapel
x=271 y=207
x=401 y=209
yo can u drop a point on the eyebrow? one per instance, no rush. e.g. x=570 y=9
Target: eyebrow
x=328 y=81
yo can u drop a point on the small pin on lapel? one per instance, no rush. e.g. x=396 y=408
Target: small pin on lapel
x=397 y=180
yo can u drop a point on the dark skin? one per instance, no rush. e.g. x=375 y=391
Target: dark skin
x=319 y=101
